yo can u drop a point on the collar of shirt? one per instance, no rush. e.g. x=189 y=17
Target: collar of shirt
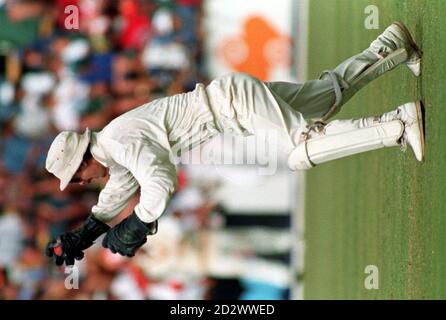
x=98 y=152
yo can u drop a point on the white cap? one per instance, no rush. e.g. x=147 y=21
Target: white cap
x=65 y=155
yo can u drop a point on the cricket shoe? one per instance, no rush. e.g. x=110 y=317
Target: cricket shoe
x=411 y=114
x=397 y=36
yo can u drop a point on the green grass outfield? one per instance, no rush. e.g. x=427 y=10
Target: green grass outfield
x=380 y=208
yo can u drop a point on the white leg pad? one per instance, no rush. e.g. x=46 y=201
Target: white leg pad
x=327 y=147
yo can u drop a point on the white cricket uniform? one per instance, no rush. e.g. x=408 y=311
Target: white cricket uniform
x=137 y=146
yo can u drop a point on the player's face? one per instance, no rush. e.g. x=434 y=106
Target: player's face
x=88 y=171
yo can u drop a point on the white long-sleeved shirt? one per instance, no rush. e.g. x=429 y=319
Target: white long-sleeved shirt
x=138 y=149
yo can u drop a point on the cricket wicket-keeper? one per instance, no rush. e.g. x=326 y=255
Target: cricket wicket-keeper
x=135 y=149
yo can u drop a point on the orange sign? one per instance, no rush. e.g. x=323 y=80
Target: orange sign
x=258 y=50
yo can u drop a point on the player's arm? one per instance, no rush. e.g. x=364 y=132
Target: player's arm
x=150 y=164
x=115 y=196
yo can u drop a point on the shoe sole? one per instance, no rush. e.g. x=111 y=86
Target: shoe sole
x=409 y=37
x=420 y=117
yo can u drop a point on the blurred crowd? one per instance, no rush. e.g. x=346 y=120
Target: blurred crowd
x=58 y=73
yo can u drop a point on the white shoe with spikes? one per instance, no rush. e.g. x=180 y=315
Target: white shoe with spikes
x=411 y=115
x=397 y=36
x=414 y=60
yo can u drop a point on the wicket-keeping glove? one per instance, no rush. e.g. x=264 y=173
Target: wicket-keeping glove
x=129 y=235
x=70 y=245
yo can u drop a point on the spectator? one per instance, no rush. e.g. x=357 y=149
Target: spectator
x=57 y=79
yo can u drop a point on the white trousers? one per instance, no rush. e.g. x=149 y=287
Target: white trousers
x=244 y=105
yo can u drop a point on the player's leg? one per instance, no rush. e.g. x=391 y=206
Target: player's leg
x=312 y=99
x=393 y=47
x=342 y=138
x=322 y=98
